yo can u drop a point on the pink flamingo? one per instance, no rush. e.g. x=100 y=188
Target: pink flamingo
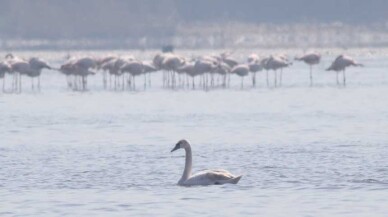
x=340 y=64
x=310 y=59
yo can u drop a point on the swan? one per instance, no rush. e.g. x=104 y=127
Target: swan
x=206 y=177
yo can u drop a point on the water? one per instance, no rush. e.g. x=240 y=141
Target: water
x=303 y=151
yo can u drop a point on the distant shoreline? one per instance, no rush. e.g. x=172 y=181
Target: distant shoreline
x=232 y=35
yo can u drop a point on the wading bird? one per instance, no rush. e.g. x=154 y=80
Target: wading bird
x=340 y=64
x=31 y=68
x=241 y=70
x=310 y=59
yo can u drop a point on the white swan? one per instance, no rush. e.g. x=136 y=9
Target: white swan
x=206 y=177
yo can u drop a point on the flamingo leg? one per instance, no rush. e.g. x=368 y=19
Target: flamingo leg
x=337 y=78
x=115 y=82
x=187 y=81
x=134 y=83
x=145 y=80
x=13 y=82
x=164 y=78
x=168 y=79
x=86 y=82
x=122 y=81
x=254 y=79
x=212 y=80
x=83 y=83
x=281 y=77
x=110 y=80
x=75 y=83
x=129 y=82
x=80 y=81
x=344 y=81
x=229 y=80
x=311 y=75
x=149 y=79
x=18 y=80
x=193 y=82
x=67 y=80
x=17 y=84
x=276 y=78
x=104 y=80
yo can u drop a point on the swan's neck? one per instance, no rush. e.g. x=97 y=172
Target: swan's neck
x=188 y=165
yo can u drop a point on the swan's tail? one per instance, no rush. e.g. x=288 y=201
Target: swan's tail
x=235 y=180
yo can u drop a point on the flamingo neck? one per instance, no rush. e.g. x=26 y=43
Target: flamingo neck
x=188 y=164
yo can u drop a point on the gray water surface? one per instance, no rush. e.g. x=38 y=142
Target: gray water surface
x=319 y=151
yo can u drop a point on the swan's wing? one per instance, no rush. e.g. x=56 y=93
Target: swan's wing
x=219 y=171
x=219 y=175
x=211 y=177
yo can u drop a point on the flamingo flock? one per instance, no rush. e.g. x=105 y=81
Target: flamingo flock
x=120 y=72
x=19 y=67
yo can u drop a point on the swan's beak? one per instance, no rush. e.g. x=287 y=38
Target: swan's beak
x=175 y=148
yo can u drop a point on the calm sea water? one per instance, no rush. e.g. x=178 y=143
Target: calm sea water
x=319 y=151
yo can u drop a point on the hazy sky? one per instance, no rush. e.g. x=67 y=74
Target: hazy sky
x=121 y=18
x=284 y=11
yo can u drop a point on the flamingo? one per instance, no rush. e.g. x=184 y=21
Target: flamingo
x=171 y=63
x=113 y=67
x=37 y=64
x=255 y=66
x=79 y=67
x=157 y=62
x=265 y=65
x=253 y=57
x=83 y=66
x=224 y=70
x=4 y=67
x=275 y=63
x=17 y=67
x=231 y=62
x=341 y=63
x=68 y=69
x=241 y=70
x=11 y=59
x=225 y=57
x=285 y=62
x=148 y=69
x=32 y=68
x=189 y=69
x=99 y=63
x=203 y=66
x=134 y=68
x=310 y=59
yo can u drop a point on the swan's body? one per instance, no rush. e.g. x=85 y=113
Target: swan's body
x=211 y=177
x=206 y=177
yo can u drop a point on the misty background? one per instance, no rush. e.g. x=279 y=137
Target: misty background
x=150 y=24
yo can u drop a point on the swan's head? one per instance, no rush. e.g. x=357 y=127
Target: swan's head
x=181 y=144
